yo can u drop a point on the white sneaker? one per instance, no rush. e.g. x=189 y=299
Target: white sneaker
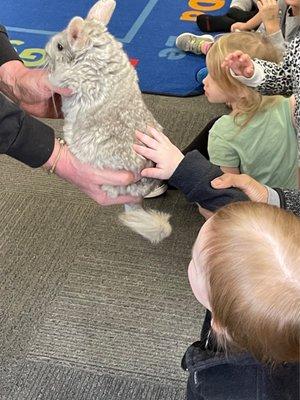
x=190 y=42
x=159 y=190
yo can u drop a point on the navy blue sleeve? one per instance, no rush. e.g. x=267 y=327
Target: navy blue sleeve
x=193 y=176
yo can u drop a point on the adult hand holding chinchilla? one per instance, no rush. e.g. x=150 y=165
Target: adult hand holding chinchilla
x=89 y=179
x=31 y=89
x=32 y=142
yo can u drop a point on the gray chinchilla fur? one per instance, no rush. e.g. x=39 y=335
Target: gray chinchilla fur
x=105 y=110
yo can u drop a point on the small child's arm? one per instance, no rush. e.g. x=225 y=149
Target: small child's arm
x=191 y=174
x=269 y=14
x=253 y=23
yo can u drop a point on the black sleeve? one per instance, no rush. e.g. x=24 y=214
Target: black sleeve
x=7 y=52
x=24 y=137
x=193 y=176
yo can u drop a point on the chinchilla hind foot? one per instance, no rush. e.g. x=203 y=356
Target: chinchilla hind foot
x=152 y=225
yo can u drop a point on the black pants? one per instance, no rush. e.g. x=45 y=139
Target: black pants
x=222 y=23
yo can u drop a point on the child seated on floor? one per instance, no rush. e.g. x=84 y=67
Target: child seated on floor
x=258 y=137
x=245 y=269
x=280 y=21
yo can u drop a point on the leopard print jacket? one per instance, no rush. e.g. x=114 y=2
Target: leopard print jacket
x=284 y=78
x=290 y=200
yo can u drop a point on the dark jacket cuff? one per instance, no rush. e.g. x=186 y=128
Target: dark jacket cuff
x=34 y=144
x=193 y=176
x=7 y=53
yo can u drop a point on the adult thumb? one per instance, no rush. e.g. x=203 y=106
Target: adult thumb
x=223 y=182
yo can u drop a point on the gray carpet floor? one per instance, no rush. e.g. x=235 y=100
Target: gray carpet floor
x=88 y=309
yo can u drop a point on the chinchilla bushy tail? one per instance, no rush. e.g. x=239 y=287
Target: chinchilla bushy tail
x=152 y=225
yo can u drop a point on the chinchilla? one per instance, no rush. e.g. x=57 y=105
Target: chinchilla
x=105 y=109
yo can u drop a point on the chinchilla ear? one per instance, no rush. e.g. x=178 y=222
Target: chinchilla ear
x=77 y=38
x=102 y=11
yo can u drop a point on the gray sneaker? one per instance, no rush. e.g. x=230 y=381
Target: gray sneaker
x=192 y=43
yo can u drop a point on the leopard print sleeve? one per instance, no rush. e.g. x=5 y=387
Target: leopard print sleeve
x=290 y=200
x=283 y=78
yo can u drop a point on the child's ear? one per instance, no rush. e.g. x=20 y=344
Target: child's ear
x=102 y=11
x=77 y=38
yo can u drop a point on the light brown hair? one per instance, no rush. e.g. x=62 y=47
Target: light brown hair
x=252 y=261
x=256 y=46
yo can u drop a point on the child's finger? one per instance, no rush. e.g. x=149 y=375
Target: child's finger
x=227 y=63
x=145 y=152
x=232 y=58
x=147 y=140
x=235 y=55
x=155 y=173
x=244 y=59
x=249 y=72
x=159 y=136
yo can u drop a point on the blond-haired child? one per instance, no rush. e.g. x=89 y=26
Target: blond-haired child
x=245 y=269
x=258 y=137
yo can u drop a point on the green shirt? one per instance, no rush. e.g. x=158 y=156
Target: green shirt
x=266 y=148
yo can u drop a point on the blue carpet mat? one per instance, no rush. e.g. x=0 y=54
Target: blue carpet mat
x=147 y=28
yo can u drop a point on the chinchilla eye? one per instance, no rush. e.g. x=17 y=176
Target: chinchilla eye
x=60 y=47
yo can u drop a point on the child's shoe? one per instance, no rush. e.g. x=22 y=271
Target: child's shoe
x=158 y=191
x=192 y=43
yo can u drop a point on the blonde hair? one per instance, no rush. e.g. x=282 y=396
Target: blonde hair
x=256 y=46
x=251 y=255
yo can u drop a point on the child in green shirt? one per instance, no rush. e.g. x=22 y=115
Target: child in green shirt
x=258 y=137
